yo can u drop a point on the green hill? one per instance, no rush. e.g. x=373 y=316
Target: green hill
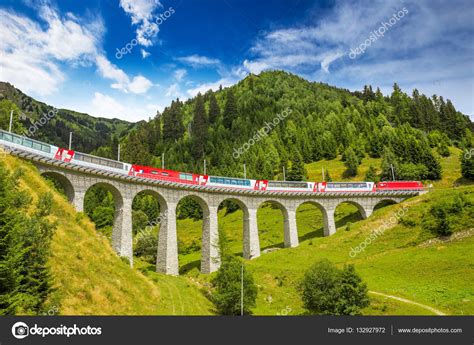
x=406 y=262
x=87 y=276
x=90 y=133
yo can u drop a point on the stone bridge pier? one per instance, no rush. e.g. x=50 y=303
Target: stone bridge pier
x=76 y=181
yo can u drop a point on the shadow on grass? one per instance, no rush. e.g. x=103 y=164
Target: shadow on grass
x=316 y=233
x=383 y=204
x=190 y=266
x=351 y=218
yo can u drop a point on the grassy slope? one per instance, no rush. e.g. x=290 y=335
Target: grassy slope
x=394 y=264
x=90 y=279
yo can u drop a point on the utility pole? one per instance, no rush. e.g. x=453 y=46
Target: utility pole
x=70 y=140
x=393 y=173
x=118 y=153
x=242 y=290
x=284 y=176
x=204 y=167
x=245 y=171
x=163 y=161
x=11 y=121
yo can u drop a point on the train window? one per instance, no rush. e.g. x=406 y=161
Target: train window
x=45 y=148
x=36 y=146
x=7 y=137
x=17 y=140
x=187 y=177
x=154 y=172
x=27 y=143
x=164 y=173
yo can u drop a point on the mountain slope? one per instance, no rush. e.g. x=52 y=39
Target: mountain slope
x=89 y=278
x=89 y=132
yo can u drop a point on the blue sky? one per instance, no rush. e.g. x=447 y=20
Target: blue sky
x=69 y=53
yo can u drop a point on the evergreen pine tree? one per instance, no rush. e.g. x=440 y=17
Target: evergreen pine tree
x=351 y=162
x=173 y=127
x=298 y=170
x=199 y=128
x=214 y=109
x=467 y=164
x=230 y=110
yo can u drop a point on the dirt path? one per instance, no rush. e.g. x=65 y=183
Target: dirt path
x=436 y=311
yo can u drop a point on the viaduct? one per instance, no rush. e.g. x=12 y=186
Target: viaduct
x=76 y=180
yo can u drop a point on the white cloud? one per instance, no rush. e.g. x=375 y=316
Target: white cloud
x=142 y=13
x=203 y=88
x=173 y=91
x=430 y=33
x=328 y=59
x=179 y=74
x=106 y=106
x=199 y=61
x=31 y=55
x=137 y=85
x=144 y=53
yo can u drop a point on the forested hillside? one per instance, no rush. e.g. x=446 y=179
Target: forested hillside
x=319 y=122
x=89 y=132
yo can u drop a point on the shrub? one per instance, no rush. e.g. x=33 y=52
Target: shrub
x=103 y=216
x=227 y=284
x=146 y=245
x=139 y=220
x=467 y=165
x=329 y=291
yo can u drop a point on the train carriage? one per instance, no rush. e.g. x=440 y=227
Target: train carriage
x=70 y=156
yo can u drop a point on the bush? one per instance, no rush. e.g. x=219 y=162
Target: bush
x=351 y=162
x=227 y=285
x=411 y=171
x=467 y=165
x=139 y=220
x=146 y=246
x=103 y=216
x=329 y=291
x=371 y=175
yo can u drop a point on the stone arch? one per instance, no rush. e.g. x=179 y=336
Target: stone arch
x=122 y=227
x=163 y=204
x=290 y=232
x=245 y=221
x=161 y=221
x=364 y=211
x=64 y=182
x=324 y=216
x=384 y=202
x=210 y=260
